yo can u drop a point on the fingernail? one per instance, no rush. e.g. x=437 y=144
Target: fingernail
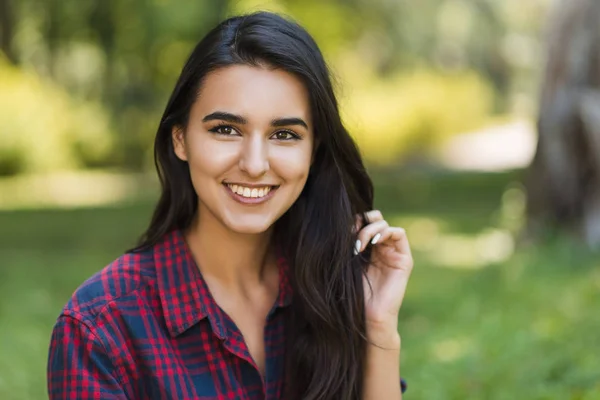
x=376 y=238
x=357 y=247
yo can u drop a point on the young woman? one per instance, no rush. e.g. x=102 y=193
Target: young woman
x=264 y=273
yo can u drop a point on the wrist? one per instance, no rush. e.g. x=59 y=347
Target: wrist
x=384 y=335
x=382 y=326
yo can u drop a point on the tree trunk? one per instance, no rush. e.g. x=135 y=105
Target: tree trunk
x=564 y=179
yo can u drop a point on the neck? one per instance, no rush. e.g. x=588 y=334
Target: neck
x=236 y=260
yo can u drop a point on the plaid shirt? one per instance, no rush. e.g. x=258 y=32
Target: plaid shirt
x=147 y=327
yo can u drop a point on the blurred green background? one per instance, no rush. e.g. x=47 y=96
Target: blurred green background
x=442 y=97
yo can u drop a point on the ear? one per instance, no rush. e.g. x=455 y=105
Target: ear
x=178 y=137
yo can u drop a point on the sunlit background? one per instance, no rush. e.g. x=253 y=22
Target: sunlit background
x=443 y=98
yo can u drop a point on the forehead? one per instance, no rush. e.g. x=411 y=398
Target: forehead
x=254 y=92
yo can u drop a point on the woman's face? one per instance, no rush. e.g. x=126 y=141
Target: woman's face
x=249 y=145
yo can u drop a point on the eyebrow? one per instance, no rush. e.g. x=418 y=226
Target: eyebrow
x=225 y=116
x=289 y=121
x=238 y=119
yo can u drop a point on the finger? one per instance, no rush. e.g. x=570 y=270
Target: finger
x=400 y=240
x=375 y=230
x=366 y=218
x=373 y=216
x=396 y=237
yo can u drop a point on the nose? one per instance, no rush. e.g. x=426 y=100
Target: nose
x=254 y=158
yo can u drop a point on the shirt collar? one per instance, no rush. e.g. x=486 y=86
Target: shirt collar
x=184 y=294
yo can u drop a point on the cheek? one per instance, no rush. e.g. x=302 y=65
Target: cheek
x=209 y=158
x=292 y=166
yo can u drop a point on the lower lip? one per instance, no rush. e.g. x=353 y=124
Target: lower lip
x=250 y=200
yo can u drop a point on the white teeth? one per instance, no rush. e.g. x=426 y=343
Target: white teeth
x=249 y=192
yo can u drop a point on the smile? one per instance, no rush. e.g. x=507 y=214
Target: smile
x=249 y=192
x=250 y=195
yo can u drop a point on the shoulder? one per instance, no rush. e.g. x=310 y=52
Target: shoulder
x=120 y=279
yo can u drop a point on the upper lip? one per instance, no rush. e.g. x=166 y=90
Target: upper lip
x=250 y=185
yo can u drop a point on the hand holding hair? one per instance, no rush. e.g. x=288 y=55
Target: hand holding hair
x=387 y=273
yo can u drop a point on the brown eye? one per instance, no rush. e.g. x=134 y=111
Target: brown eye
x=285 y=135
x=225 y=130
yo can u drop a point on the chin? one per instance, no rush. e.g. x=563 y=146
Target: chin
x=250 y=227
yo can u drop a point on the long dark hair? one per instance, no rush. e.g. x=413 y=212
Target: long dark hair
x=326 y=330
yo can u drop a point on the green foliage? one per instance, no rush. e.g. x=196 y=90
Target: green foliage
x=120 y=60
x=416 y=112
x=522 y=328
x=44 y=128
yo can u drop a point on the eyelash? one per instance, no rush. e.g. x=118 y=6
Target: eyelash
x=216 y=129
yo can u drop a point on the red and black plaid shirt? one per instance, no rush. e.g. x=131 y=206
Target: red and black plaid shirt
x=147 y=327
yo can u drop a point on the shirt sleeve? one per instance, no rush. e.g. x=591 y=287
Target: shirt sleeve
x=78 y=364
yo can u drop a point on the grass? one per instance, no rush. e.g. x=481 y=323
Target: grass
x=521 y=327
